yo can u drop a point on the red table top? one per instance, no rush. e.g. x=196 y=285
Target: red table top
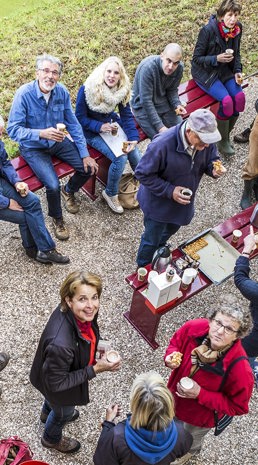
x=239 y=221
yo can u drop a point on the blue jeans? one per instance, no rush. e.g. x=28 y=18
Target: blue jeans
x=31 y=221
x=56 y=420
x=169 y=119
x=118 y=163
x=40 y=161
x=155 y=235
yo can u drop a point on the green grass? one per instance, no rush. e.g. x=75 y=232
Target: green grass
x=83 y=33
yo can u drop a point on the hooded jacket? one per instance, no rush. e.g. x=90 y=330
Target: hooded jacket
x=114 y=447
x=60 y=368
x=205 y=67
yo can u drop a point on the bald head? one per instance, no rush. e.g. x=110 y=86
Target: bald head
x=170 y=58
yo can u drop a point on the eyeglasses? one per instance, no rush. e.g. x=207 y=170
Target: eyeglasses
x=228 y=330
x=48 y=71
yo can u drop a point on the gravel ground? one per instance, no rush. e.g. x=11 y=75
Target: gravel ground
x=105 y=243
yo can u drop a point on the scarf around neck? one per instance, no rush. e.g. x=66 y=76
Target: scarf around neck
x=204 y=354
x=226 y=32
x=111 y=96
x=151 y=447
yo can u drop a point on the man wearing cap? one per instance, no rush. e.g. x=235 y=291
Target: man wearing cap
x=155 y=102
x=37 y=108
x=173 y=161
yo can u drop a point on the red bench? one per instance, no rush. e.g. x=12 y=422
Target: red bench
x=189 y=93
x=144 y=317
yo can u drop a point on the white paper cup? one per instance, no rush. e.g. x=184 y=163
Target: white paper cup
x=187 y=192
x=186 y=383
x=113 y=356
x=188 y=277
x=61 y=127
x=142 y=273
x=236 y=235
x=229 y=51
x=152 y=274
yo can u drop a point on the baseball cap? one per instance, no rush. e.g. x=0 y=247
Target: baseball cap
x=204 y=124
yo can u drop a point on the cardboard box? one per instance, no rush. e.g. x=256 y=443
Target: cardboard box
x=161 y=291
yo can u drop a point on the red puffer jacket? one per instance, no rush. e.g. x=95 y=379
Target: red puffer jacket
x=237 y=390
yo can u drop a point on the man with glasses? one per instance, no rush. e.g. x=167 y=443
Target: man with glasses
x=174 y=161
x=155 y=102
x=37 y=108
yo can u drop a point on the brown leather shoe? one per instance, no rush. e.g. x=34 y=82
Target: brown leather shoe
x=70 y=201
x=65 y=445
x=60 y=230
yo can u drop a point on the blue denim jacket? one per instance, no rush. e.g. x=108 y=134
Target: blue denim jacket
x=30 y=113
x=8 y=172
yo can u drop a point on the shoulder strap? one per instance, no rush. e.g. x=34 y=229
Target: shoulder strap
x=225 y=377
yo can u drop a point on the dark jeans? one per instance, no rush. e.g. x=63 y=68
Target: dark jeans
x=40 y=161
x=155 y=235
x=57 y=418
x=31 y=221
x=169 y=119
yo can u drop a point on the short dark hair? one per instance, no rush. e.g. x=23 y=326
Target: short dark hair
x=229 y=5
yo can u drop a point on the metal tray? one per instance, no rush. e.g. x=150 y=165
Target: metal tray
x=217 y=259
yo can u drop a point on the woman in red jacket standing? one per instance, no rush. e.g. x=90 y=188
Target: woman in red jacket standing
x=221 y=379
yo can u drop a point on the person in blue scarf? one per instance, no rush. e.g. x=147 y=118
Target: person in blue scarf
x=149 y=435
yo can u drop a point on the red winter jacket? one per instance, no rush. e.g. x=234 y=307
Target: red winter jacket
x=237 y=390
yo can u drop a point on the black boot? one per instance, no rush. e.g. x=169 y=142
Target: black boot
x=243 y=137
x=246 y=200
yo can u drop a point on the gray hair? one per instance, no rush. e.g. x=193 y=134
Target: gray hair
x=1 y=122
x=51 y=58
x=228 y=305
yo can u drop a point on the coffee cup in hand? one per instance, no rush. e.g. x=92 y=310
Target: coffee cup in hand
x=22 y=188
x=187 y=192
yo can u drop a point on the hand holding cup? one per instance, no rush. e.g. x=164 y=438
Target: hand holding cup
x=22 y=188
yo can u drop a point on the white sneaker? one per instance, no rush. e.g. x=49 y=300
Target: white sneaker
x=113 y=203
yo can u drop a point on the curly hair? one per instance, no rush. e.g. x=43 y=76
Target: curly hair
x=151 y=402
x=98 y=76
x=73 y=281
x=228 y=305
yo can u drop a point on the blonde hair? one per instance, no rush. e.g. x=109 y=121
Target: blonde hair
x=151 y=402
x=98 y=74
x=76 y=279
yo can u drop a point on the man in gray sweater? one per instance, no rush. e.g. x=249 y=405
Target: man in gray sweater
x=155 y=102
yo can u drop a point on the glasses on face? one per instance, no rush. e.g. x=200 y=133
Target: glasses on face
x=228 y=330
x=48 y=71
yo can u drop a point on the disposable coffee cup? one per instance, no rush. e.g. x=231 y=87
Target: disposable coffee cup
x=114 y=129
x=61 y=127
x=152 y=274
x=142 y=273
x=113 y=356
x=21 y=186
x=186 y=383
x=229 y=51
x=188 y=277
x=236 y=236
x=187 y=192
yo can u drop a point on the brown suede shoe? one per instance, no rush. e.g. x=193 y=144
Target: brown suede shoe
x=60 y=230
x=65 y=445
x=70 y=201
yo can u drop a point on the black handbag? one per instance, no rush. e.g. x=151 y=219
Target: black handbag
x=225 y=420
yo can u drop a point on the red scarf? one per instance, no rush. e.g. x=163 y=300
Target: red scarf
x=226 y=32
x=88 y=334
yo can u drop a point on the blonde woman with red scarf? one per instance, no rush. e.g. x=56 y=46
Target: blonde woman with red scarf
x=208 y=353
x=217 y=69
x=65 y=359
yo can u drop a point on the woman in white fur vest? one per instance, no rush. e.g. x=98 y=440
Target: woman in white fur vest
x=108 y=89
